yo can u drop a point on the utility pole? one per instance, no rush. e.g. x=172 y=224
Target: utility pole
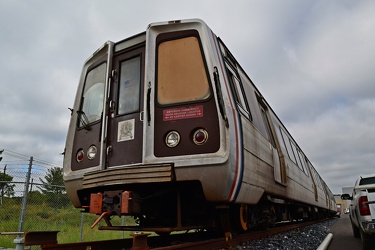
x=25 y=192
x=3 y=186
x=19 y=240
x=31 y=186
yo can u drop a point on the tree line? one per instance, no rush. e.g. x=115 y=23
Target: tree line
x=51 y=189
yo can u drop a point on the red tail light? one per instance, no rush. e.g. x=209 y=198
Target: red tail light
x=80 y=155
x=364 y=208
x=200 y=137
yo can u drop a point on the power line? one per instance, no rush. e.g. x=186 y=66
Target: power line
x=47 y=163
x=15 y=154
x=12 y=161
x=26 y=158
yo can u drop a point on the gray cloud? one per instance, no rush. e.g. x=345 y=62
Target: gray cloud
x=312 y=60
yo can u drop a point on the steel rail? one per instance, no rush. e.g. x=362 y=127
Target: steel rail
x=186 y=241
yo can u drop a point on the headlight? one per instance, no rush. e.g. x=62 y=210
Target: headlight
x=172 y=139
x=200 y=136
x=91 y=152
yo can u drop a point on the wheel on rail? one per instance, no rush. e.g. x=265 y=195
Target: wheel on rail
x=244 y=217
x=235 y=218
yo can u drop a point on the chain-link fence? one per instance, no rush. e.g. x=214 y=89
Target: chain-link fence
x=33 y=198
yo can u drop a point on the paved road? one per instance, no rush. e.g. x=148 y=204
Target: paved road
x=343 y=238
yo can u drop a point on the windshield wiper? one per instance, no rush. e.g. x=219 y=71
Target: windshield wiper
x=83 y=120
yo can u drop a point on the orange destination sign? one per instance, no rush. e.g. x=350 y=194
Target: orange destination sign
x=182 y=113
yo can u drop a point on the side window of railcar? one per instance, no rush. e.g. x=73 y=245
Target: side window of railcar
x=267 y=125
x=288 y=146
x=303 y=162
x=130 y=80
x=237 y=90
x=93 y=96
x=279 y=136
x=317 y=178
x=248 y=90
x=294 y=148
x=314 y=174
x=181 y=72
x=320 y=181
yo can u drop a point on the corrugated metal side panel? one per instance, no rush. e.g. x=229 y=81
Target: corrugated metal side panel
x=129 y=175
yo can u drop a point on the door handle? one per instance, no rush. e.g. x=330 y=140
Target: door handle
x=109 y=149
x=141 y=116
x=112 y=105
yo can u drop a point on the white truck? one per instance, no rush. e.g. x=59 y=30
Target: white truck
x=362 y=210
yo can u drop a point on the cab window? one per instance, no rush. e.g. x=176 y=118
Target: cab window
x=130 y=84
x=93 y=96
x=181 y=72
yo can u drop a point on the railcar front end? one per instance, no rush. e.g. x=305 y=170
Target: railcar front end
x=168 y=128
x=149 y=132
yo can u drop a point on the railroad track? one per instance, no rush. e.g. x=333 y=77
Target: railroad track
x=199 y=240
x=231 y=241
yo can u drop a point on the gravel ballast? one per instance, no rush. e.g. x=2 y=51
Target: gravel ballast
x=305 y=238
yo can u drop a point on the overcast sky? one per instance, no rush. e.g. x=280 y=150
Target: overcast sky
x=313 y=61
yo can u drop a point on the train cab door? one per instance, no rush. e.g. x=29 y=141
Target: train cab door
x=313 y=176
x=125 y=121
x=277 y=155
x=90 y=111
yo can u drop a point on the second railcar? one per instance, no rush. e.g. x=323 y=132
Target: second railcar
x=168 y=128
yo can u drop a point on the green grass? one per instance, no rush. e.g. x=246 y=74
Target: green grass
x=42 y=217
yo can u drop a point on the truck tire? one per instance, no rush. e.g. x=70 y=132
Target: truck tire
x=355 y=231
x=368 y=241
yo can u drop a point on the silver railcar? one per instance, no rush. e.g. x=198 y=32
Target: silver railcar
x=167 y=127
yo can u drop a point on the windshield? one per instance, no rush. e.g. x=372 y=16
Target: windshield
x=93 y=96
x=181 y=72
